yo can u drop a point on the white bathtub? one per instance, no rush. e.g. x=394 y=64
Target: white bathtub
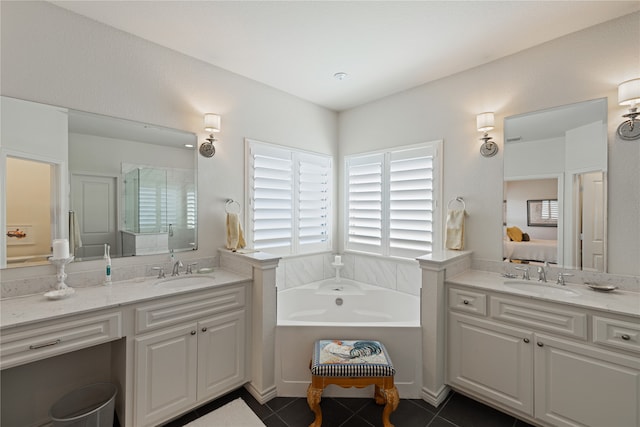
x=346 y=310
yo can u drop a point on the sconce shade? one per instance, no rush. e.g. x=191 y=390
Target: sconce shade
x=629 y=92
x=211 y=122
x=485 y=122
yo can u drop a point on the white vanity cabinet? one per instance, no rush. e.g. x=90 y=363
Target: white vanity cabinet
x=188 y=350
x=553 y=364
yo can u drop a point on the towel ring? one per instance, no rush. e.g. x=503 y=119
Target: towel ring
x=231 y=206
x=457 y=199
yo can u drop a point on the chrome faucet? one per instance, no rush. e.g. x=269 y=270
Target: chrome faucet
x=542 y=272
x=525 y=272
x=176 y=268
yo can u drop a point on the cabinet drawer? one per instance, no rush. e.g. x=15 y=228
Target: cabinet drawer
x=616 y=333
x=468 y=301
x=540 y=316
x=171 y=311
x=33 y=343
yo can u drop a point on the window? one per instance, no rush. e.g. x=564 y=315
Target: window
x=289 y=197
x=390 y=201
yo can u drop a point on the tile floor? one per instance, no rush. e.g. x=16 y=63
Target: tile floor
x=457 y=411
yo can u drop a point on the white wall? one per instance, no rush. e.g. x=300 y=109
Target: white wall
x=584 y=65
x=53 y=56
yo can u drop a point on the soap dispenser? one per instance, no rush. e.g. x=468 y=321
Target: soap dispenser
x=107 y=262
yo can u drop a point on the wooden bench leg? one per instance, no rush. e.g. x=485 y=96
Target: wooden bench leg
x=392 y=399
x=313 y=399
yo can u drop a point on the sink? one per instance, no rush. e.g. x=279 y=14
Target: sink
x=184 y=281
x=542 y=289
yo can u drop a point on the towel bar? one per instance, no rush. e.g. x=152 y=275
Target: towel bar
x=457 y=199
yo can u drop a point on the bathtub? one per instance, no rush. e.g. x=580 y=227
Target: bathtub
x=346 y=310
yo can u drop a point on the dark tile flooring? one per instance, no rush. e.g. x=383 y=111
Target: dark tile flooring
x=457 y=411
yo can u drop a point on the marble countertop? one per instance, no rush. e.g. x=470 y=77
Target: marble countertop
x=620 y=302
x=28 y=309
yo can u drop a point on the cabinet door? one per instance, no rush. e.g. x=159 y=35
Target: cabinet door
x=491 y=360
x=221 y=353
x=578 y=385
x=165 y=373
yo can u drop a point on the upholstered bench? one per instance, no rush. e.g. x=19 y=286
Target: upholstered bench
x=352 y=363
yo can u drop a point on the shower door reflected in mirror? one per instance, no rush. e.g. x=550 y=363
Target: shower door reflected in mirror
x=559 y=153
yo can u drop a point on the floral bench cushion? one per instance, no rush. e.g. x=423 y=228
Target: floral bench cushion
x=357 y=358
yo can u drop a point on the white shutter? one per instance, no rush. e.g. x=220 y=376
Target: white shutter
x=314 y=185
x=410 y=202
x=390 y=201
x=364 y=203
x=271 y=197
x=289 y=194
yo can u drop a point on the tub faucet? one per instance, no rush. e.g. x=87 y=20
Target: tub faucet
x=176 y=268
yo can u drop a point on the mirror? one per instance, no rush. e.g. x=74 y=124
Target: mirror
x=131 y=185
x=555 y=171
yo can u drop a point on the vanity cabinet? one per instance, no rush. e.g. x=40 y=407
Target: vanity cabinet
x=548 y=362
x=189 y=350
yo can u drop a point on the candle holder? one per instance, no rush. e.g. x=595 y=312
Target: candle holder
x=62 y=289
x=337 y=266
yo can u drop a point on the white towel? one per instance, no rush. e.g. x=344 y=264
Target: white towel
x=235 y=237
x=455 y=229
x=75 y=241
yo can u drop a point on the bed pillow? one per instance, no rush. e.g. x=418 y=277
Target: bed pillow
x=514 y=234
x=525 y=237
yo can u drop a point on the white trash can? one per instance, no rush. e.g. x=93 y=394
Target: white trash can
x=89 y=406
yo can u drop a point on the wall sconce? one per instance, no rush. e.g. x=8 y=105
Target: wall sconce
x=211 y=124
x=629 y=94
x=485 y=122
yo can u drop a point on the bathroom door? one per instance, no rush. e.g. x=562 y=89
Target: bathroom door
x=593 y=233
x=94 y=200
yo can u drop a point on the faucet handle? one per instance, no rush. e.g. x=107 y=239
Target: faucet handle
x=190 y=267
x=561 y=277
x=160 y=272
x=525 y=272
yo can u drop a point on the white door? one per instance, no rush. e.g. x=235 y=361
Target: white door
x=165 y=374
x=578 y=385
x=93 y=198
x=221 y=353
x=492 y=360
x=593 y=241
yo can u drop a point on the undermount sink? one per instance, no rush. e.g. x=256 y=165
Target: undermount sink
x=184 y=281
x=538 y=288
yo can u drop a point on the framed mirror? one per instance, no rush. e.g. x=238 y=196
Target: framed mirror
x=558 y=155
x=127 y=184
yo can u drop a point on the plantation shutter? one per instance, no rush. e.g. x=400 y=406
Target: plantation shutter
x=271 y=197
x=314 y=179
x=289 y=194
x=364 y=203
x=410 y=202
x=391 y=201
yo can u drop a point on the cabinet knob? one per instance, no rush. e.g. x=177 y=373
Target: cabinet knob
x=526 y=340
x=539 y=344
x=465 y=302
x=193 y=332
x=204 y=329
x=625 y=337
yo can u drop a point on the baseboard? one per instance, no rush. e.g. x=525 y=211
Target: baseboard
x=436 y=398
x=261 y=396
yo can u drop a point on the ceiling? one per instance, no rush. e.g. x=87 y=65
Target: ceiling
x=384 y=46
